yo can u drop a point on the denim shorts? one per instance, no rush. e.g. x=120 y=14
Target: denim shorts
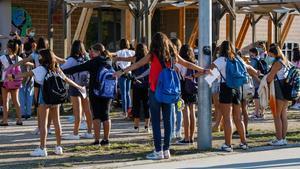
x=215 y=87
x=41 y=98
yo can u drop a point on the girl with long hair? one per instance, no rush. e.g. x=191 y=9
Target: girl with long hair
x=278 y=73
x=100 y=106
x=79 y=103
x=230 y=98
x=161 y=50
x=47 y=63
x=189 y=116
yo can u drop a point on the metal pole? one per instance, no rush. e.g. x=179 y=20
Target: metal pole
x=50 y=23
x=204 y=94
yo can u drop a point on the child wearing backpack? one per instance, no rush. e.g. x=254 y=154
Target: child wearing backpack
x=79 y=103
x=52 y=93
x=102 y=88
x=164 y=88
x=229 y=66
x=296 y=63
x=10 y=87
x=260 y=65
x=189 y=95
x=278 y=73
x=42 y=43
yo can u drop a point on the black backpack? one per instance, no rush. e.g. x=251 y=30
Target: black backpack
x=54 y=88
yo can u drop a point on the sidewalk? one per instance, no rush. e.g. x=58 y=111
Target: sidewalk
x=287 y=158
x=127 y=148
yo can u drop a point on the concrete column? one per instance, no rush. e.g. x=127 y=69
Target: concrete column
x=5 y=20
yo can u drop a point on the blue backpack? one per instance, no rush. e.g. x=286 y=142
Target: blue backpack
x=236 y=73
x=168 y=88
x=107 y=83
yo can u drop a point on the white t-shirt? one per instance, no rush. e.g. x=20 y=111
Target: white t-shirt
x=125 y=53
x=220 y=63
x=181 y=69
x=40 y=73
x=6 y=64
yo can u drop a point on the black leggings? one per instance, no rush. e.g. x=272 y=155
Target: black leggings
x=140 y=96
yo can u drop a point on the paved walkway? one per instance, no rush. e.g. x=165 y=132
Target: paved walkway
x=287 y=158
x=16 y=142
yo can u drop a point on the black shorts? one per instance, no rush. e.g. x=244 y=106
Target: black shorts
x=189 y=98
x=229 y=95
x=100 y=108
x=35 y=84
x=73 y=92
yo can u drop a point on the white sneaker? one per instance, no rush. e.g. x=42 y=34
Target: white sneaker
x=71 y=137
x=83 y=125
x=178 y=135
x=36 y=131
x=226 y=148
x=285 y=141
x=87 y=135
x=296 y=106
x=277 y=142
x=39 y=152
x=244 y=146
x=136 y=130
x=155 y=155
x=58 y=150
x=147 y=130
x=167 y=154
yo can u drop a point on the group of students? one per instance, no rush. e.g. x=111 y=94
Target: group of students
x=142 y=67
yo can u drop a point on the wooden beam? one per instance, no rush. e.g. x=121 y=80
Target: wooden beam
x=86 y=24
x=286 y=29
x=227 y=26
x=128 y=21
x=194 y=33
x=80 y=23
x=270 y=32
x=228 y=7
x=243 y=32
x=168 y=8
x=83 y=24
x=182 y=25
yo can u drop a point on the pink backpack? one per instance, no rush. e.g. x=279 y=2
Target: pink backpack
x=12 y=84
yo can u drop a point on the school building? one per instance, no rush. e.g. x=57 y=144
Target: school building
x=108 y=25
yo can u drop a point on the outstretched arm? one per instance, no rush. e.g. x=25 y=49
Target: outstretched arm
x=134 y=66
x=189 y=65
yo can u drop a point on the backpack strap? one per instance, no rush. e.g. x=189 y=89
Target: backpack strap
x=9 y=59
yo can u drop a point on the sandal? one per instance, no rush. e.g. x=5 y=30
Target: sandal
x=3 y=124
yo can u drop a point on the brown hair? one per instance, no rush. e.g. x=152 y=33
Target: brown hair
x=101 y=49
x=124 y=44
x=278 y=53
x=227 y=50
x=13 y=46
x=162 y=46
x=48 y=60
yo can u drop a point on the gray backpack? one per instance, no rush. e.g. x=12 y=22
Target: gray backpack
x=81 y=78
